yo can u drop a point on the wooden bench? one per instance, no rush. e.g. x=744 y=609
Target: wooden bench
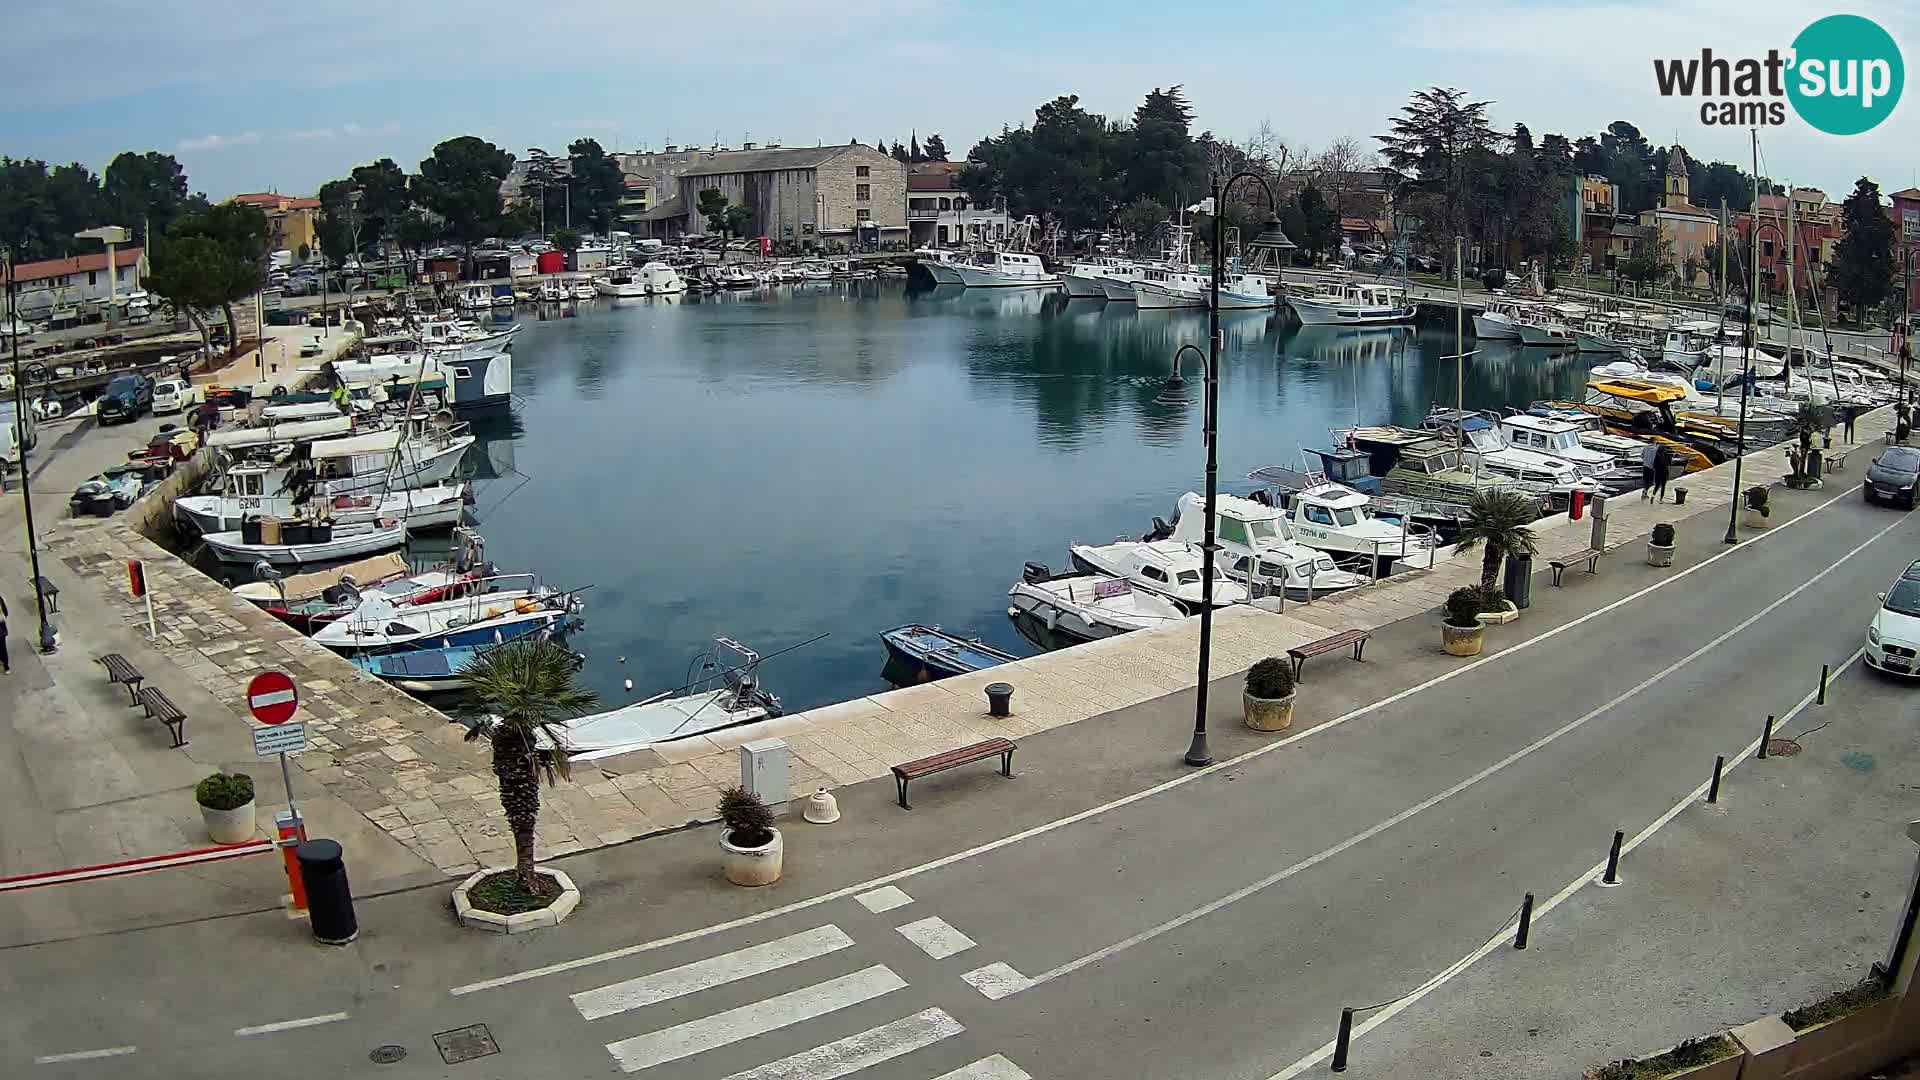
x=1590 y=556
x=950 y=759
x=1836 y=462
x=1355 y=638
x=51 y=591
x=161 y=707
x=119 y=671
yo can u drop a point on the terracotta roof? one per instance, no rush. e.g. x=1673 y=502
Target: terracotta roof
x=79 y=264
x=1911 y=193
x=271 y=200
x=303 y=204
x=258 y=198
x=940 y=181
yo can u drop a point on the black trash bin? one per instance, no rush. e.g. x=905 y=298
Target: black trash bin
x=1518 y=583
x=329 y=898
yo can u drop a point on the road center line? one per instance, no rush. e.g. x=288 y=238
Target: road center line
x=1186 y=777
x=85 y=1055
x=289 y=1025
x=1572 y=887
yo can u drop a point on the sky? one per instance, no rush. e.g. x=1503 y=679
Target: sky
x=285 y=97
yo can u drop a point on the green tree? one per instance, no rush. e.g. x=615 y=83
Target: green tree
x=1319 y=226
x=460 y=184
x=384 y=198
x=597 y=182
x=566 y=240
x=1863 y=263
x=211 y=259
x=1432 y=140
x=914 y=154
x=1649 y=259
x=530 y=689
x=338 y=218
x=1141 y=220
x=713 y=207
x=935 y=147
x=545 y=182
x=1496 y=523
x=144 y=191
x=412 y=232
x=900 y=154
x=1160 y=157
x=1064 y=168
x=739 y=220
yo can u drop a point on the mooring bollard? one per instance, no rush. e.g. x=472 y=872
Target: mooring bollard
x=1713 y=789
x=1526 y=922
x=1340 y=1041
x=1766 y=736
x=1612 y=876
x=1822 y=700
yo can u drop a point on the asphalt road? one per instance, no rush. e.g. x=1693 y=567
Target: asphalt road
x=1213 y=927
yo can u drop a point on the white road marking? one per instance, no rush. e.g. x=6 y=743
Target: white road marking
x=757 y=1018
x=843 y=1057
x=1187 y=777
x=85 y=1055
x=936 y=937
x=996 y=981
x=886 y=899
x=1591 y=875
x=987 y=1068
x=289 y=1025
x=1428 y=803
x=714 y=971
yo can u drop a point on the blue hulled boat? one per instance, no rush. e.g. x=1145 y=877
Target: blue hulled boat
x=917 y=654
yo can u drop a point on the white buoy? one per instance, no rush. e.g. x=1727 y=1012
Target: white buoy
x=629 y=686
x=822 y=808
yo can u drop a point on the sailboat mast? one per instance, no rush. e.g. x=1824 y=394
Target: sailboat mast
x=1720 y=339
x=1459 y=336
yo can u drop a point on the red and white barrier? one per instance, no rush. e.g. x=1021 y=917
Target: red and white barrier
x=136 y=866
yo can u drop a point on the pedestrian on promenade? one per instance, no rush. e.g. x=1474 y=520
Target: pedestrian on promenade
x=1647 y=455
x=6 y=665
x=1847 y=414
x=1662 y=468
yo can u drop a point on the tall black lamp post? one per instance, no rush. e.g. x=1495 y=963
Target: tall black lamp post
x=47 y=642
x=1197 y=753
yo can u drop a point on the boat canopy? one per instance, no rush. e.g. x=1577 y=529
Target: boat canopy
x=1639 y=390
x=378 y=442
x=277 y=433
x=307 y=586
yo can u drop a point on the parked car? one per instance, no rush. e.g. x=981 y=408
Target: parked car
x=1893 y=476
x=126 y=398
x=174 y=395
x=311 y=345
x=1893 y=637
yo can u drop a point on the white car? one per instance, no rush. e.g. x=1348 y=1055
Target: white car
x=174 y=395
x=1893 y=637
x=311 y=345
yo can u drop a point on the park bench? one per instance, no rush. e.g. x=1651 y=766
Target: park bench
x=1590 y=556
x=950 y=759
x=1836 y=462
x=119 y=671
x=52 y=592
x=1356 y=638
x=161 y=707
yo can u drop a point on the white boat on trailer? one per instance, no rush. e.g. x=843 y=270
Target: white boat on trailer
x=1083 y=607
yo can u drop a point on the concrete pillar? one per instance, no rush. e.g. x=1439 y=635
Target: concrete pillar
x=1768 y=1043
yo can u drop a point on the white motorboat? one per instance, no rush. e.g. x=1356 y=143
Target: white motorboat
x=1351 y=304
x=1245 y=292
x=1340 y=521
x=1118 y=284
x=491 y=615
x=1489 y=454
x=1562 y=439
x=1260 y=548
x=288 y=543
x=659 y=279
x=737 y=277
x=620 y=284
x=1084 y=280
x=939 y=264
x=476 y=297
x=581 y=289
x=1170 y=568
x=1006 y=270
x=252 y=488
x=1083 y=607
x=423 y=455
x=1162 y=287
x=729 y=699
x=551 y=292
x=1497 y=322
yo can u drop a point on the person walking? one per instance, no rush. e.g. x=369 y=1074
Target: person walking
x=1647 y=455
x=1662 y=468
x=1847 y=414
x=6 y=665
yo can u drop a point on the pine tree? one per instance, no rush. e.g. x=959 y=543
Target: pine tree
x=900 y=153
x=936 y=147
x=1863 y=263
x=914 y=155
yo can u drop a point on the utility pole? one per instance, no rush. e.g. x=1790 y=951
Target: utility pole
x=47 y=642
x=1746 y=363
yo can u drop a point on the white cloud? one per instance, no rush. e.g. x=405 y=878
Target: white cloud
x=216 y=142
x=310 y=135
x=351 y=128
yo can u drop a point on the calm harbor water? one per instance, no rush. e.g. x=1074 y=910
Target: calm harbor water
x=846 y=458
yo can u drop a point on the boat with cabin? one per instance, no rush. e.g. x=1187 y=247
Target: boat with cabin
x=1260 y=549
x=1170 y=568
x=1497 y=322
x=301 y=542
x=1083 y=280
x=1006 y=270
x=1485 y=447
x=1353 y=304
x=1058 y=610
x=1345 y=523
x=620 y=284
x=283 y=491
x=660 y=279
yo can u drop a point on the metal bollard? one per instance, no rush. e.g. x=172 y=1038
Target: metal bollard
x=1713 y=789
x=1340 y=1041
x=1526 y=922
x=329 y=898
x=1822 y=700
x=1766 y=736
x=1612 y=876
x=999 y=699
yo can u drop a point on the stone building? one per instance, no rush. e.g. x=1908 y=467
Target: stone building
x=940 y=214
x=824 y=196
x=292 y=222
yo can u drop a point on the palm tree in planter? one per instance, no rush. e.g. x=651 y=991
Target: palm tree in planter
x=529 y=687
x=1809 y=420
x=1461 y=631
x=1268 y=696
x=1496 y=523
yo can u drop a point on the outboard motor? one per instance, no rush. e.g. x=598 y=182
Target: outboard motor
x=1036 y=573
x=1160 y=531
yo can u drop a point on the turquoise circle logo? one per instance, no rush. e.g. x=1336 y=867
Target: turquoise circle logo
x=1847 y=75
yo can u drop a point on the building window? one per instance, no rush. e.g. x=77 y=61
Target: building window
x=862 y=170
x=93 y=277
x=807 y=228
x=863 y=215
x=946 y=204
x=863 y=193
x=1766 y=249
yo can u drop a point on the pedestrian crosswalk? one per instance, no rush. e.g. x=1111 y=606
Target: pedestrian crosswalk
x=819 y=949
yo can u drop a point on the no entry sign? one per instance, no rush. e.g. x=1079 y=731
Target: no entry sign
x=272 y=697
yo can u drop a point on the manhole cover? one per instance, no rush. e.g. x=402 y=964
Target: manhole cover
x=387 y=1055
x=1782 y=748
x=465 y=1044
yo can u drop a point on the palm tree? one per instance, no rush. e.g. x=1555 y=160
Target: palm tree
x=529 y=687
x=1809 y=420
x=1496 y=522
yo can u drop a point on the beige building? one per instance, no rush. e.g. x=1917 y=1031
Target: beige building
x=1685 y=229
x=823 y=196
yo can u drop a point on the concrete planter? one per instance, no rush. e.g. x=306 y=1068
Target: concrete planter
x=235 y=826
x=1462 y=640
x=1269 y=714
x=1505 y=615
x=551 y=915
x=756 y=865
x=1659 y=555
x=1754 y=519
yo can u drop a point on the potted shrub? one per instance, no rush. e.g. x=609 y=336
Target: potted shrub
x=1496 y=523
x=226 y=805
x=1660 y=546
x=752 y=845
x=1810 y=419
x=1461 y=632
x=1268 y=696
x=1758 y=510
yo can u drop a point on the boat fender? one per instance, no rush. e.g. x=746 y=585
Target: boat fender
x=629 y=685
x=525 y=605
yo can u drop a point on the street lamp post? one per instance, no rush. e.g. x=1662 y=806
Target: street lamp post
x=1197 y=753
x=47 y=641
x=1747 y=351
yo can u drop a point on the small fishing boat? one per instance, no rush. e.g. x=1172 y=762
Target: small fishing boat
x=488 y=616
x=917 y=654
x=309 y=601
x=1054 y=611
x=1169 y=568
x=303 y=543
x=730 y=697
x=115 y=489
x=427 y=671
